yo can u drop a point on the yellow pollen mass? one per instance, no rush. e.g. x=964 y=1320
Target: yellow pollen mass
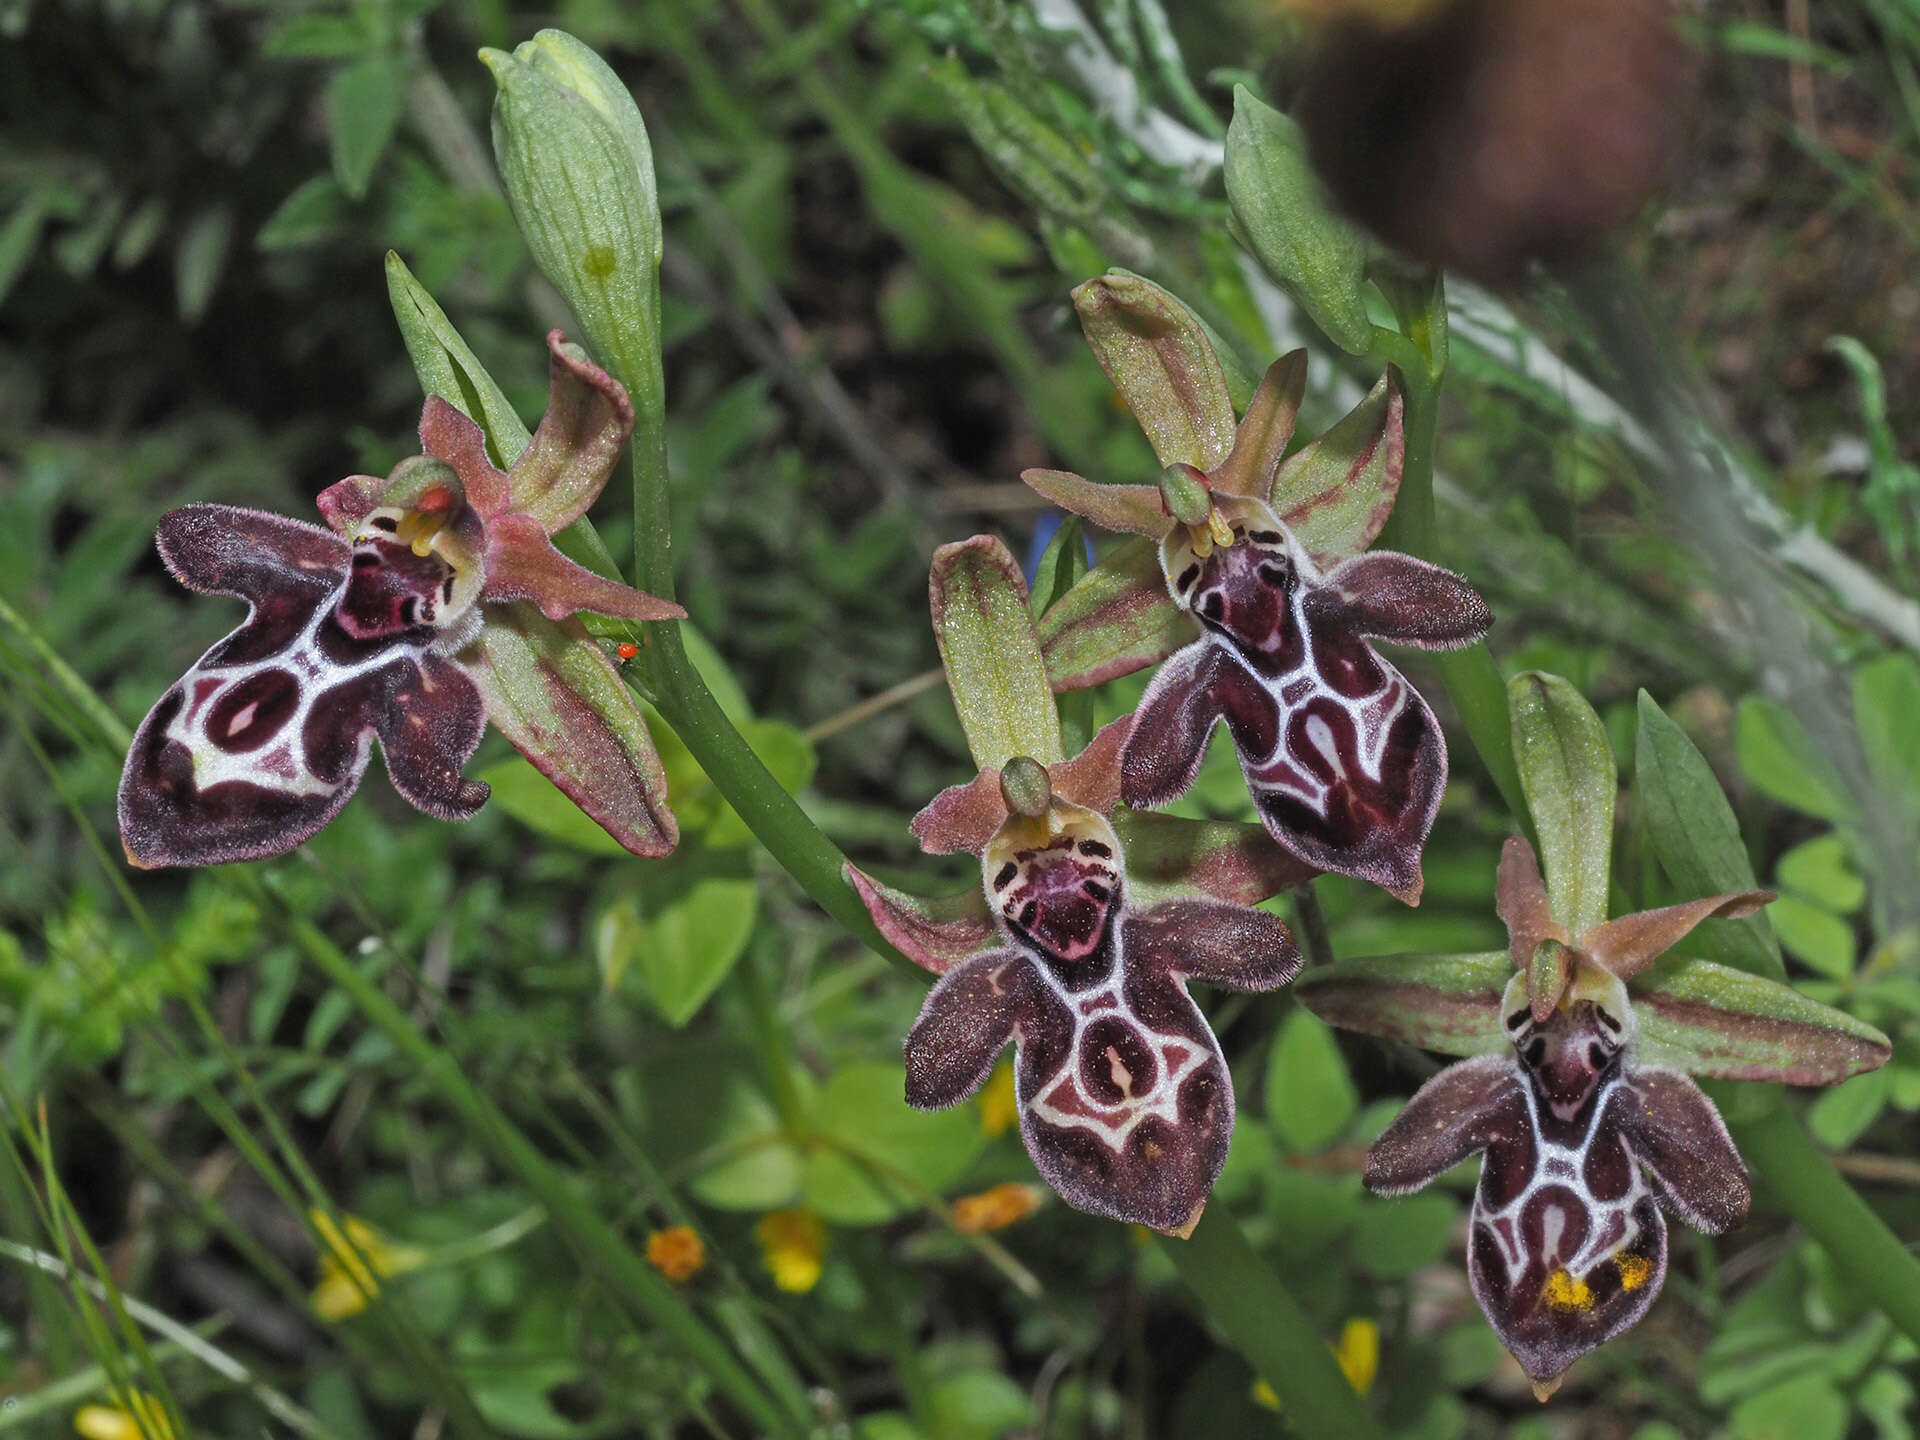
x=1564 y=1292
x=1635 y=1270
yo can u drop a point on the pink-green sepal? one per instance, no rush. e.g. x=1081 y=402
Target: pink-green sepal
x=1117 y=619
x=1162 y=363
x=1336 y=493
x=1726 y=1024
x=554 y=693
x=984 y=624
x=937 y=932
x=1130 y=509
x=1170 y=856
x=1445 y=1003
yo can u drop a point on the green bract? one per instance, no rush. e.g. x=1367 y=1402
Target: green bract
x=1317 y=256
x=573 y=152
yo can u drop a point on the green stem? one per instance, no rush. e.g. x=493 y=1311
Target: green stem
x=1472 y=678
x=596 y=1243
x=1802 y=1178
x=1241 y=1294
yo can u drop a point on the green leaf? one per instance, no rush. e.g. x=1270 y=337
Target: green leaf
x=200 y=259
x=1448 y=1003
x=1886 y=705
x=1317 y=257
x=321 y=37
x=1566 y=768
x=761 y=1169
x=1393 y=1238
x=1821 y=872
x=536 y=802
x=977 y=1405
x=1160 y=360
x=881 y=1156
x=314 y=210
x=1842 y=1115
x=1310 y=1096
x=1780 y=758
x=1817 y=937
x=1808 y=1407
x=1696 y=838
x=983 y=621
x=1713 y=1020
x=687 y=948
x=364 y=100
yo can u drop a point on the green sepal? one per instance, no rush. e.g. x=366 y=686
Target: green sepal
x=1567 y=770
x=578 y=168
x=1336 y=492
x=1712 y=1020
x=1160 y=360
x=1117 y=618
x=1445 y=1003
x=1318 y=258
x=1696 y=839
x=983 y=621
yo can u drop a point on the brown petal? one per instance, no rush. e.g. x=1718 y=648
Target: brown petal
x=961 y=819
x=1628 y=945
x=579 y=440
x=1092 y=778
x=523 y=565
x=448 y=435
x=1261 y=441
x=1520 y=899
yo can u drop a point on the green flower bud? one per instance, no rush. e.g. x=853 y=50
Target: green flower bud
x=579 y=173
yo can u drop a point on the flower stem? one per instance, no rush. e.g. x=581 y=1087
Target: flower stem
x=1472 y=678
x=1802 y=1178
x=596 y=1242
x=1259 y=1315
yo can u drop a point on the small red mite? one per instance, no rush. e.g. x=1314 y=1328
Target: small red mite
x=626 y=650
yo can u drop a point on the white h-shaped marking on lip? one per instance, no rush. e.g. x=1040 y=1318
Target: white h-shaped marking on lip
x=1593 y=1250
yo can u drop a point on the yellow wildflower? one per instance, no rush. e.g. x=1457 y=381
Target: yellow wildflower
x=996 y=1208
x=1357 y=1354
x=792 y=1243
x=676 y=1253
x=131 y=1417
x=353 y=1264
x=999 y=1107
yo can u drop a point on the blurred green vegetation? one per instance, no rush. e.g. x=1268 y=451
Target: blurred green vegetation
x=874 y=213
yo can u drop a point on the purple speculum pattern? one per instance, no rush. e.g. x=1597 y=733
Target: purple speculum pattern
x=1568 y=1246
x=1125 y=1103
x=264 y=739
x=1343 y=758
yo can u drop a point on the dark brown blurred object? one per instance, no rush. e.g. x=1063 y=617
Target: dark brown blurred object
x=1498 y=131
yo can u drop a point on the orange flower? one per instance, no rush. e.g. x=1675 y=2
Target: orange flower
x=997 y=1208
x=676 y=1253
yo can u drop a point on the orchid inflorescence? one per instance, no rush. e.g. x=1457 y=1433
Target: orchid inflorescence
x=436 y=602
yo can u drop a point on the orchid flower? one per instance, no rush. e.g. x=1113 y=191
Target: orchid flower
x=435 y=603
x=1345 y=762
x=1124 y=1099
x=1582 y=1039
